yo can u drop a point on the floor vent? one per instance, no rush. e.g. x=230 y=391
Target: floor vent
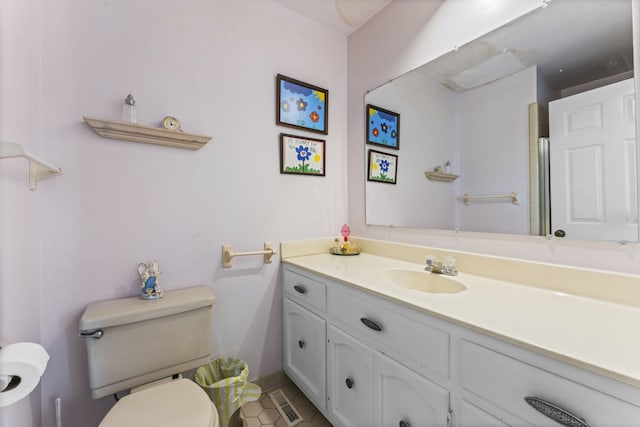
x=288 y=412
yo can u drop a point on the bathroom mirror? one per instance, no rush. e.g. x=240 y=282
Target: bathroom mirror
x=483 y=108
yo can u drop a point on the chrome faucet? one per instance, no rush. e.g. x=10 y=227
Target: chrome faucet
x=448 y=267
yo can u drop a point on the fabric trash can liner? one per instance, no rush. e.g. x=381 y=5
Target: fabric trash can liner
x=225 y=381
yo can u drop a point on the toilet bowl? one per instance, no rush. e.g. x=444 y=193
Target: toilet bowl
x=141 y=345
x=176 y=403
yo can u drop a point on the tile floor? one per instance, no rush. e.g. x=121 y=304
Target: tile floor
x=263 y=412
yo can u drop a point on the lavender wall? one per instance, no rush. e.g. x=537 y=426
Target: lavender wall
x=19 y=208
x=494 y=152
x=428 y=138
x=212 y=64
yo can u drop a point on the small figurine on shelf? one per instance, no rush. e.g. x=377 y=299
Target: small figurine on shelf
x=129 y=110
x=149 y=280
x=346 y=246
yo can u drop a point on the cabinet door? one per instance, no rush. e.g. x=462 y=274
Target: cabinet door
x=404 y=398
x=349 y=380
x=305 y=350
x=472 y=416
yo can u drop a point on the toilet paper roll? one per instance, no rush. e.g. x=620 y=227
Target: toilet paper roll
x=23 y=364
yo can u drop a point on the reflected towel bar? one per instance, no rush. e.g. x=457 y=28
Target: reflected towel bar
x=227 y=254
x=514 y=197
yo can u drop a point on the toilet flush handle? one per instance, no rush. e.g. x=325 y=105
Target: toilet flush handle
x=95 y=334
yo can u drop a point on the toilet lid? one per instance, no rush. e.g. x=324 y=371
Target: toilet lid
x=175 y=403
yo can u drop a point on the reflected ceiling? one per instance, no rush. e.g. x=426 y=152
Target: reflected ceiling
x=575 y=47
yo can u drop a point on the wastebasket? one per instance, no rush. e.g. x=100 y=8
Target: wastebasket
x=225 y=381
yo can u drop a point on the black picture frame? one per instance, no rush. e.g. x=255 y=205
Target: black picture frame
x=382 y=167
x=301 y=155
x=383 y=127
x=301 y=105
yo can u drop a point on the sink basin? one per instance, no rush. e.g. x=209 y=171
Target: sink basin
x=423 y=281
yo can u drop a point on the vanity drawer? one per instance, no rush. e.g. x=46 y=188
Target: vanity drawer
x=304 y=290
x=506 y=381
x=424 y=345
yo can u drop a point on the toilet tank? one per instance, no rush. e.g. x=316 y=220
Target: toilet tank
x=131 y=341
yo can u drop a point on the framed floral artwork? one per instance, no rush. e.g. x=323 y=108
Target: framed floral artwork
x=301 y=105
x=383 y=127
x=383 y=167
x=301 y=155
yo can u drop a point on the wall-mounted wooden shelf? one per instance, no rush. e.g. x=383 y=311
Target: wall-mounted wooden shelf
x=441 y=176
x=147 y=134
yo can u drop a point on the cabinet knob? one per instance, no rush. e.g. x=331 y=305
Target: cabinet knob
x=300 y=289
x=349 y=383
x=556 y=413
x=301 y=343
x=404 y=423
x=371 y=324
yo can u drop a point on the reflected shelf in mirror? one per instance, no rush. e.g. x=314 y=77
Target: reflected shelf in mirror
x=441 y=176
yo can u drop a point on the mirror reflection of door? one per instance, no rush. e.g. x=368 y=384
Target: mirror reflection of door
x=593 y=164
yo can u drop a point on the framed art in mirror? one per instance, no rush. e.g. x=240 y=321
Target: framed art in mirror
x=383 y=127
x=301 y=105
x=383 y=167
x=301 y=155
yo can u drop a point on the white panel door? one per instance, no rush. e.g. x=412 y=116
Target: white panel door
x=593 y=164
x=304 y=350
x=406 y=399
x=349 y=380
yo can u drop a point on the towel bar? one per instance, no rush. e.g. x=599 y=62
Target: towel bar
x=38 y=168
x=228 y=254
x=515 y=198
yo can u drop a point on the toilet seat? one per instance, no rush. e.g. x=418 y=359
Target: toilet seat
x=175 y=403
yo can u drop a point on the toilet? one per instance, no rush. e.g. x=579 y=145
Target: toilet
x=143 y=346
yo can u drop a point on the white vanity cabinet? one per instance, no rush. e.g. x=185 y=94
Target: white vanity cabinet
x=366 y=346
x=367 y=388
x=305 y=335
x=378 y=362
x=506 y=379
x=367 y=384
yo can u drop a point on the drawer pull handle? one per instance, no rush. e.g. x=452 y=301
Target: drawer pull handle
x=300 y=289
x=301 y=343
x=555 y=412
x=349 y=383
x=404 y=423
x=371 y=324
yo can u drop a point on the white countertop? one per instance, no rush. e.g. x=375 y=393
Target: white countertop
x=597 y=335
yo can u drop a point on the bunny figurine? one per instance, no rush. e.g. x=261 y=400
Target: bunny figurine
x=149 y=280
